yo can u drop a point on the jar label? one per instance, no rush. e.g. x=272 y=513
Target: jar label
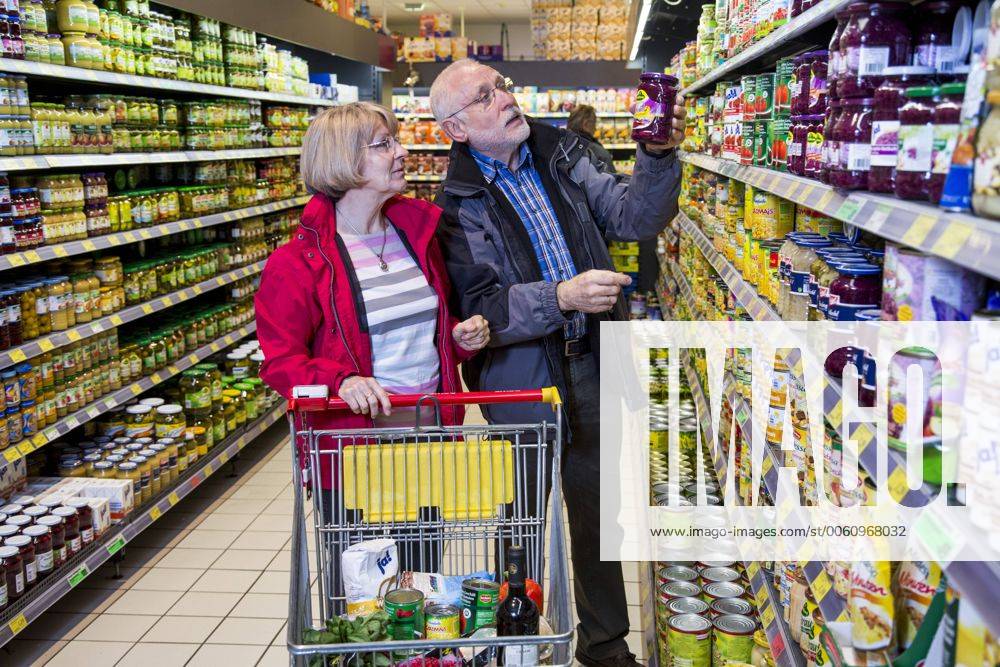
x=885 y=143
x=852 y=61
x=19 y=581
x=915 y=147
x=75 y=544
x=170 y=431
x=872 y=60
x=199 y=399
x=799 y=282
x=939 y=56
x=858 y=156
x=87 y=535
x=646 y=111
x=945 y=140
x=138 y=431
x=794 y=149
x=814 y=150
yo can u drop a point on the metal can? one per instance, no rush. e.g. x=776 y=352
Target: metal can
x=765 y=96
x=679 y=606
x=747 y=143
x=409 y=601
x=782 y=92
x=733 y=639
x=726 y=606
x=749 y=88
x=678 y=573
x=442 y=621
x=480 y=598
x=778 y=140
x=689 y=637
x=713 y=575
x=678 y=589
x=721 y=590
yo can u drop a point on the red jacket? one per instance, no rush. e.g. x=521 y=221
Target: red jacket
x=307 y=322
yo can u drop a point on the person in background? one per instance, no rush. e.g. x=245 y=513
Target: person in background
x=583 y=122
x=527 y=216
x=358 y=299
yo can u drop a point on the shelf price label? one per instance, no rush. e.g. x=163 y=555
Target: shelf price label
x=173 y=499
x=11 y=454
x=155 y=514
x=821 y=586
x=761 y=597
x=82 y=572
x=18 y=624
x=767 y=616
x=115 y=545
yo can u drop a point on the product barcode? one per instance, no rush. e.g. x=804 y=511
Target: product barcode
x=872 y=68
x=858 y=163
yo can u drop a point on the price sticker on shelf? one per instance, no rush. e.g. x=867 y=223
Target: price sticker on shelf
x=848 y=210
x=26 y=448
x=173 y=499
x=136 y=389
x=760 y=597
x=46 y=345
x=767 y=616
x=18 y=624
x=937 y=538
x=223 y=457
x=15 y=260
x=824 y=200
x=918 y=231
x=89 y=246
x=835 y=414
x=115 y=545
x=74 y=335
x=155 y=514
x=954 y=237
x=60 y=251
x=39 y=440
x=208 y=469
x=752 y=569
x=768 y=465
x=11 y=454
x=147 y=308
x=81 y=573
x=17 y=356
x=820 y=585
x=116 y=320
x=898 y=486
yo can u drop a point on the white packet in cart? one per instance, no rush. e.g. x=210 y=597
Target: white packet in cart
x=368 y=569
x=438 y=587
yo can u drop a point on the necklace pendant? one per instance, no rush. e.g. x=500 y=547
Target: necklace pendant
x=383 y=266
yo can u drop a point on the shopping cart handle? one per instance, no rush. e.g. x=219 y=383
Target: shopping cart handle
x=545 y=395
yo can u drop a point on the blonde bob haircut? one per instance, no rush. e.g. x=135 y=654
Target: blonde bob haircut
x=334 y=146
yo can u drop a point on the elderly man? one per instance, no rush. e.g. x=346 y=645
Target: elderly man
x=527 y=217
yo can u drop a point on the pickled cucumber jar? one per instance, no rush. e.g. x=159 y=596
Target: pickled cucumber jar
x=232 y=413
x=170 y=421
x=219 y=422
x=249 y=396
x=155 y=469
x=215 y=377
x=145 y=477
x=130 y=470
x=240 y=407
x=139 y=421
x=196 y=389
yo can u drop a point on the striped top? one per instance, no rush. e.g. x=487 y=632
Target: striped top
x=401 y=311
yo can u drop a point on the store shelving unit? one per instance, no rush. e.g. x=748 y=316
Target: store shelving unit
x=17 y=617
x=539 y=114
x=44 y=344
x=424 y=178
x=32 y=162
x=813 y=17
x=108 y=241
x=965 y=239
x=121 y=397
x=779 y=637
x=66 y=73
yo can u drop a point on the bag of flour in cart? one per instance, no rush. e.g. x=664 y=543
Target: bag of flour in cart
x=368 y=569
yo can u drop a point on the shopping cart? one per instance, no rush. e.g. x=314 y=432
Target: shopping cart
x=450 y=497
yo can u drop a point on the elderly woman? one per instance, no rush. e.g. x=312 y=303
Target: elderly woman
x=358 y=300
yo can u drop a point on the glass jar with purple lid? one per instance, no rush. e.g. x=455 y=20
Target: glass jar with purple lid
x=818 y=70
x=859 y=287
x=652 y=120
x=854 y=135
x=797 y=146
x=914 y=161
x=814 y=147
x=848 y=50
x=831 y=149
x=882 y=40
x=932 y=42
x=947 y=121
x=835 y=62
x=799 y=86
x=888 y=98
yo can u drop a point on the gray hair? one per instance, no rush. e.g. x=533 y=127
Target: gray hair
x=444 y=100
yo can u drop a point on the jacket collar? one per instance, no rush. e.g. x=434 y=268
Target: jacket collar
x=416 y=219
x=491 y=167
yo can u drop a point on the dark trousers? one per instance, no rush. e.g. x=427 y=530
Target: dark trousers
x=597 y=585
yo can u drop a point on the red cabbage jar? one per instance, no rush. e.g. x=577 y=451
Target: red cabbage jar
x=854 y=135
x=888 y=98
x=800 y=84
x=797 y=146
x=818 y=82
x=947 y=121
x=652 y=121
x=814 y=147
x=831 y=149
x=881 y=40
x=857 y=288
x=916 y=140
x=836 y=61
x=933 y=39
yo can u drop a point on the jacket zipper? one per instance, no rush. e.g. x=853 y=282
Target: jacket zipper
x=333 y=301
x=562 y=191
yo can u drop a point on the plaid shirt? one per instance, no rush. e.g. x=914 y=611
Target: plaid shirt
x=524 y=190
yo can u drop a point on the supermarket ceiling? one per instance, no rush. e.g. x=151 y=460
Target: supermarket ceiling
x=475 y=10
x=669 y=26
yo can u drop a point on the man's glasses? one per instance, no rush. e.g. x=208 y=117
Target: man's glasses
x=503 y=83
x=384 y=145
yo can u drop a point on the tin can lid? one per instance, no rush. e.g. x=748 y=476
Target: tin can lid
x=689 y=623
x=735 y=624
x=680 y=589
x=687 y=606
x=727 y=606
x=720 y=574
x=723 y=589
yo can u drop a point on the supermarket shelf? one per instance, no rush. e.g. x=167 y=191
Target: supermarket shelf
x=965 y=239
x=832 y=606
x=66 y=73
x=70 y=248
x=424 y=178
x=122 y=396
x=44 y=344
x=29 y=162
x=811 y=18
x=540 y=114
x=427 y=147
x=779 y=637
x=33 y=605
x=627 y=146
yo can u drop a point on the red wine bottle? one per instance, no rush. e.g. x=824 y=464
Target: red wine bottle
x=518 y=613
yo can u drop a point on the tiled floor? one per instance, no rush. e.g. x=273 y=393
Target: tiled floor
x=207 y=585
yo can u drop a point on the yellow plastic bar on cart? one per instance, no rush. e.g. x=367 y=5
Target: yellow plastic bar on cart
x=466 y=480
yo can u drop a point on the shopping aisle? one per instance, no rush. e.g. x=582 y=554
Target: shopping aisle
x=207 y=585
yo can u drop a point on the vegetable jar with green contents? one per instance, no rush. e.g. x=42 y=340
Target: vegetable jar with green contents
x=155 y=481
x=201 y=438
x=239 y=407
x=170 y=421
x=215 y=378
x=145 y=477
x=219 y=423
x=229 y=413
x=139 y=421
x=196 y=388
x=249 y=396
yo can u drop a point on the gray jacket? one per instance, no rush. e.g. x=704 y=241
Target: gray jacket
x=494 y=270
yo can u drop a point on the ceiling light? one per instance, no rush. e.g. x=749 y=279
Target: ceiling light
x=640 y=27
x=413 y=6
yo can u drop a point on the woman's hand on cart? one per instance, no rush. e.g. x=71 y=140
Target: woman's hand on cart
x=472 y=334
x=365 y=396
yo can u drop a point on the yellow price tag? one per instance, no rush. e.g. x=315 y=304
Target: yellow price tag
x=919 y=229
x=953 y=238
x=768 y=464
x=760 y=597
x=117 y=320
x=32 y=256
x=208 y=470
x=836 y=413
x=156 y=378
x=820 y=586
x=39 y=440
x=25 y=448
x=147 y=308
x=18 y=624
x=60 y=251
x=15 y=260
x=767 y=616
x=824 y=200
x=752 y=569
x=17 y=356
x=155 y=513
x=223 y=457
x=136 y=390
x=73 y=335
x=46 y=345
x=89 y=246
x=173 y=499
x=145 y=234
x=897 y=483
x=11 y=454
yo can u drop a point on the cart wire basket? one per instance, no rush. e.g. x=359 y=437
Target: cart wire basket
x=451 y=497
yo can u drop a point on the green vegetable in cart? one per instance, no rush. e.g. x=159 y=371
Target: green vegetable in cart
x=371 y=628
